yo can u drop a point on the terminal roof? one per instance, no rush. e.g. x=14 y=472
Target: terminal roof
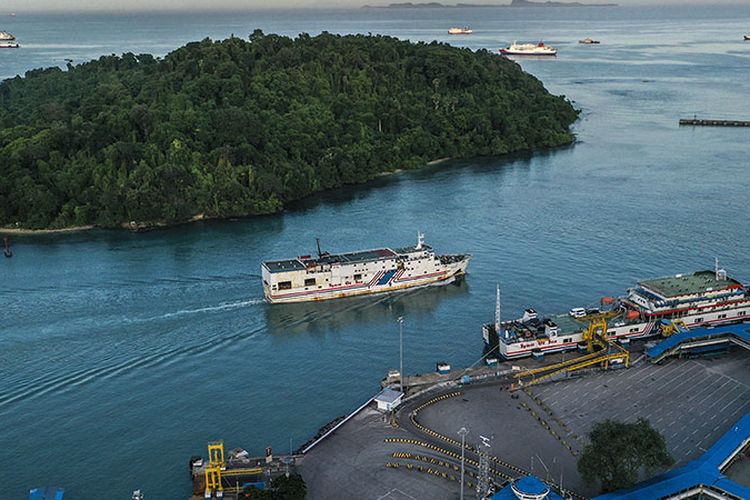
x=388 y=395
x=689 y=284
x=705 y=471
x=529 y=485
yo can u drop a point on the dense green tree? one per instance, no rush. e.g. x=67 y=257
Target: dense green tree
x=618 y=451
x=280 y=488
x=239 y=127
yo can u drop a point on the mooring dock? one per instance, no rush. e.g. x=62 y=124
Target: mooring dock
x=700 y=122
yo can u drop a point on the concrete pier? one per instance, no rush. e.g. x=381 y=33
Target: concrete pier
x=714 y=123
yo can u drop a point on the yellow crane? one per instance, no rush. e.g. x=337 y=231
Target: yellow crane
x=601 y=351
x=216 y=470
x=213 y=470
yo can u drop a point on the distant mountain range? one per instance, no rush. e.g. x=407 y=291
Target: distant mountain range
x=513 y=3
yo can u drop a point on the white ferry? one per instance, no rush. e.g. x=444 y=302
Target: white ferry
x=332 y=276
x=460 y=31
x=700 y=299
x=8 y=41
x=529 y=49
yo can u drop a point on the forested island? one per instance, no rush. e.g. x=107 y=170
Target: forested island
x=234 y=128
x=513 y=3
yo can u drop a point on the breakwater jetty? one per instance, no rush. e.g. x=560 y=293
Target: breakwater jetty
x=702 y=122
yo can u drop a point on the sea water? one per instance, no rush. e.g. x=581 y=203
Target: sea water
x=121 y=355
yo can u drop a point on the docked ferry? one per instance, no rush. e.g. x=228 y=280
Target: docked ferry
x=700 y=299
x=529 y=49
x=8 y=41
x=381 y=270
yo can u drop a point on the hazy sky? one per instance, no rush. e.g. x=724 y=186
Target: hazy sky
x=21 y=6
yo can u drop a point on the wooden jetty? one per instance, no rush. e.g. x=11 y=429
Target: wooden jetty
x=714 y=123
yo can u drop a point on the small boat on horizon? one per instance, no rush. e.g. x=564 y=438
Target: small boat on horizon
x=8 y=41
x=460 y=31
x=529 y=49
x=589 y=41
x=746 y=38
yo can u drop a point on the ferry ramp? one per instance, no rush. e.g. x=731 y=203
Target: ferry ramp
x=690 y=340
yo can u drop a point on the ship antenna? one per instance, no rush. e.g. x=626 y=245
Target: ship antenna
x=497 y=310
x=320 y=254
x=716 y=268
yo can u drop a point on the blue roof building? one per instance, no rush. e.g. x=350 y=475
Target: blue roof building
x=704 y=475
x=46 y=494
x=526 y=488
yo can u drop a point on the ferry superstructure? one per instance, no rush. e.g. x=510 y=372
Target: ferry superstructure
x=529 y=49
x=381 y=270
x=703 y=298
x=8 y=41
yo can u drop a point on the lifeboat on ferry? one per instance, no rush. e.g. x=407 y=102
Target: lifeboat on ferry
x=608 y=301
x=631 y=315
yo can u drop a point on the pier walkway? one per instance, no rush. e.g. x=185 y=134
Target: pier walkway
x=714 y=123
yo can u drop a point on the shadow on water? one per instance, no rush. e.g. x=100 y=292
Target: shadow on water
x=346 y=195
x=195 y=233
x=342 y=314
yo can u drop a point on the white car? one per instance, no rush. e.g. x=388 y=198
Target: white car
x=578 y=312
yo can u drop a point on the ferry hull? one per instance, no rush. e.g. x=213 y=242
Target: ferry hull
x=645 y=330
x=391 y=286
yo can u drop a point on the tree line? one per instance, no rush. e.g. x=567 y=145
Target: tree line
x=241 y=127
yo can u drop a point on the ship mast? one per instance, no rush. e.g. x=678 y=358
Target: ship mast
x=497 y=311
x=420 y=240
x=320 y=254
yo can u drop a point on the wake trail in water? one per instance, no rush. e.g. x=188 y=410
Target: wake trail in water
x=227 y=306
x=45 y=385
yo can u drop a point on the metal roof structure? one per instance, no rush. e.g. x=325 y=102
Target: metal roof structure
x=278 y=266
x=705 y=474
x=46 y=494
x=699 y=337
x=388 y=395
x=529 y=487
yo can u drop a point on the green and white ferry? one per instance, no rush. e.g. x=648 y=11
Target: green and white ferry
x=700 y=299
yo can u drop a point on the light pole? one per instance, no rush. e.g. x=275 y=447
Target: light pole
x=401 y=352
x=463 y=432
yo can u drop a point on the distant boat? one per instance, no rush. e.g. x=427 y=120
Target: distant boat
x=529 y=49
x=747 y=37
x=8 y=41
x=589 y=41
x=460 y=31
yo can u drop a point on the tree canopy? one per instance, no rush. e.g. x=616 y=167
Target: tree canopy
x=617 y=452
x=281 y=488
x=235 y=127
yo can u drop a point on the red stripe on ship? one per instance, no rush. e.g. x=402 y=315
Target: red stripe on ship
x=633 y=334
x=429 y=275
x=332 y=288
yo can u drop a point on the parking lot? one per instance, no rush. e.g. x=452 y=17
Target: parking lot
x=691 y=402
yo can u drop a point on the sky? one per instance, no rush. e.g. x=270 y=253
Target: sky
x=20 y=6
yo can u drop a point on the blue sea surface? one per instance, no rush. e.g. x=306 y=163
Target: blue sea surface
x=121 y=355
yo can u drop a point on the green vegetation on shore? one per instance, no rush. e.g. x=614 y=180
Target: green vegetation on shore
x=236 y=127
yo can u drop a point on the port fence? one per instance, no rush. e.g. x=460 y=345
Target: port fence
x=333 y=429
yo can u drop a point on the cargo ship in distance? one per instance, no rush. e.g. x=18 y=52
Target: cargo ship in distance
x=700 y=299
x=381 y=270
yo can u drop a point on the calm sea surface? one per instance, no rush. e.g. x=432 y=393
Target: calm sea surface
x=121 y=355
